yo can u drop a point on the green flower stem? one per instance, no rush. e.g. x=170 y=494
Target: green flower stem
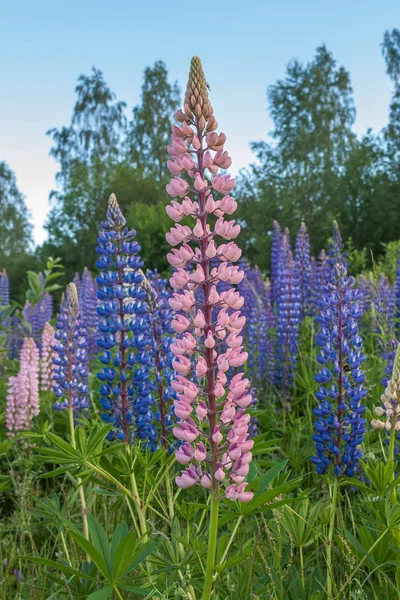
x=65 y=548
x=170 y=498
x=329 y=581
x=133 y=517
x=391 y=459
x=212 y=546
x=225 y=554
x=140 y=511
x=117 y=593
x=79 y=480
x=302 y=567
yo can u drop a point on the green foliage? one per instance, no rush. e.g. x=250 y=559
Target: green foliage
x=150 y=129
x=100 y=153
x=39 y=287
x=316 y=170
x=15 y=228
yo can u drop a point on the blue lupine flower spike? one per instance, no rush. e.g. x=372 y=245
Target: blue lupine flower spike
x=340 y=424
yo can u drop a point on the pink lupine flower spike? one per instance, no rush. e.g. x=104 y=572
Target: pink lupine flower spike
x=213 y=423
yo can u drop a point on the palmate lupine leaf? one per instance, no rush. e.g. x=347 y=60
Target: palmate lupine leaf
x=114 y=560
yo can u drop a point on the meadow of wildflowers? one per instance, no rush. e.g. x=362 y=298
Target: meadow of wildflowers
x=212 y=432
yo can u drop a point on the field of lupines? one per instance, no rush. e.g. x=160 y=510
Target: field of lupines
x=217 y=435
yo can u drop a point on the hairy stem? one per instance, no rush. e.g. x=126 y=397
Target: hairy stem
x=212 y=546
x=329 y=582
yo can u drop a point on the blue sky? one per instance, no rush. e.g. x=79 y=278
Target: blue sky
x=244 y=45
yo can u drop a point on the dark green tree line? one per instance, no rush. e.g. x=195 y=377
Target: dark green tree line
x=102 y=152
x=315 y=169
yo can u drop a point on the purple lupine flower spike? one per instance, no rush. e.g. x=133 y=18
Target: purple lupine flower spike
x=336 y=253
x=4 y=289
x=287 y=324
x=276 y=254
x=303 y=267
x=88 y=301
x=71 y=358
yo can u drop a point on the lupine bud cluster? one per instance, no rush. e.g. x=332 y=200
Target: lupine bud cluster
x=122 y=328
x=254 y=425
x=289 y=314
x=320 y=275
x=39 y=314
x=47 y=354
x=256 y=332
x=389 y=412
x=87 y=293
x=336 y=253
x=23 y=390
x=382 y=321
x=71 y=358
x=276 y=255
x=366 y=287
x=340 y=424
x=390 y=409
x=4 y=289
x=303 y=268
x=397 y=295
x=160 y=334
x=214 y=425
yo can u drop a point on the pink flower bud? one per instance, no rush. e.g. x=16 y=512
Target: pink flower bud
x=236 y=357
x=201 y=367
x=177 y=148
x=201 y=411
x=199 y=183
x=174 y=167
x=198 y=229
x=182 y=365
x=219 y=390
x=212 y=139
x=245 y=496
x=175 y=259
x=214 y=296
x=187 y=301
x=219 y=474
x=182 y=409
x=200 y=320
x=206 y=481
x=211 y=249
x=236 y=321
x=210 y=204
x=209 y=341
x=187 y=479
x=200 y=452
x=231 y=492
x=187 y=207
x=177 y=132
x=244 y=401
x=198 y=276
x=227 y=205
x=217 y=436
x=186 y=252
x=207 y=160
x=196 y=143
x=179 y=279
x=174 y=211
x=180 y=323
x=222 y=160
x=184 y=454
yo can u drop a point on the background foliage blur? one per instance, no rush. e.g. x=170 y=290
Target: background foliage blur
x=313 y=168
